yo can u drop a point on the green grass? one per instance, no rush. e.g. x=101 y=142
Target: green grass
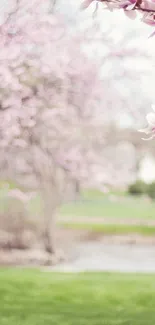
x=113 y=229
x=35 y=298
x=97 y=194
x=125 y=208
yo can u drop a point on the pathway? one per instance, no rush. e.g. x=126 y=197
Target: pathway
x=98 y=256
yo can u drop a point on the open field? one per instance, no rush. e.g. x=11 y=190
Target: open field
x=37 y=298
x=119 y=207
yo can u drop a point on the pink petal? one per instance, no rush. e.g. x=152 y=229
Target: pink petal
x=86 y=4
x=132 y=14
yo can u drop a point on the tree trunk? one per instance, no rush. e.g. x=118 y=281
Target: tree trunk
x=77 y=191
x=49 y=233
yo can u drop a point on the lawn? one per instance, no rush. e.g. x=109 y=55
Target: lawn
x=126 y=207
x=43 y=298
x=116 y=229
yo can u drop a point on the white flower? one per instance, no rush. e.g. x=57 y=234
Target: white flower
x=150 y=129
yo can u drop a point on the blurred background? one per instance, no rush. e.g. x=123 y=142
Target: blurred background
x=77 y=182
x=104 y=179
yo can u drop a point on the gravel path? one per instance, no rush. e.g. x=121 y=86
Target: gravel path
x=98 y=256
x=131 y=253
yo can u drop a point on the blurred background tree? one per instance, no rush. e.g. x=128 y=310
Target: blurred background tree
x=71 y=96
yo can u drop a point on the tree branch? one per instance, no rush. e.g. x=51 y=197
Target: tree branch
x=144 y=6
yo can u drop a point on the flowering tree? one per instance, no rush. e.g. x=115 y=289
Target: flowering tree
x=51 y=113
x=50 y=107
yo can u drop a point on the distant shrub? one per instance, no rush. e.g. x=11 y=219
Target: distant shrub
x=138 y=188
x=151 y=190
x=17 y=229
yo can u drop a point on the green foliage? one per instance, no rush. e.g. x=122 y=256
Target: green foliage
x=151 y=190
x=39 y=298
x=138 y=188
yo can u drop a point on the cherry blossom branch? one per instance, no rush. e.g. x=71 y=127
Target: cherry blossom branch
x=130 y=7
